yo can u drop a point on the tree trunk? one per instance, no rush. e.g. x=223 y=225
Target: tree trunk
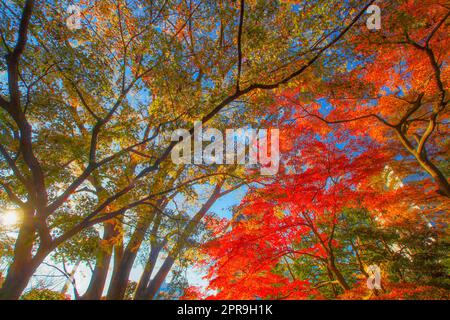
x=119 y=280
x=339 y=277
x=427 y=165
x=156 y=283
x=436 y=174
x=24 y=264
x=148 y=270
x=17 y=280
x=331 y=278
x=121 y=272
x=100 y=273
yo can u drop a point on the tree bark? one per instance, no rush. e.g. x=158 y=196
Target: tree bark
x=121 y=272
x=17 y=280
x=339 y=277
x=24 y=264
x=103 y=260
x=148 y=270
x=436 y=174
x=150 y=291
x=156 y=282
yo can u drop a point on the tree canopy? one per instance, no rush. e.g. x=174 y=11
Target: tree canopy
x=90 y=92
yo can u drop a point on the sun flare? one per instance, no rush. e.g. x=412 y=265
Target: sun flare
x=9 y=218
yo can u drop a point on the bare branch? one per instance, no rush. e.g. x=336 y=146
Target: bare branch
x=239 y=45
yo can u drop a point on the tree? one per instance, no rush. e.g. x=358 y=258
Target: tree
x=44 y=294
x=313 y=233
x=293 y=217
x=395 y=88
x=75 y=104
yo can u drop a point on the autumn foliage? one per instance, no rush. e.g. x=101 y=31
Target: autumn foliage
x=365 y=167
x=87 y=113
